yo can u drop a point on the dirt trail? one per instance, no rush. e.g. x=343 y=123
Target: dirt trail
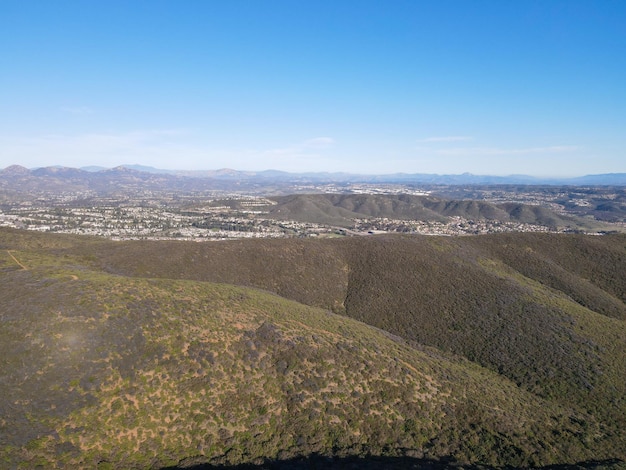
x=15 y=259
x=73 y=276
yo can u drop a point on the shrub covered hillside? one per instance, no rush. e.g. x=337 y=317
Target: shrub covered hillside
x=547 y=312
x=499 y=351
x=342 y=209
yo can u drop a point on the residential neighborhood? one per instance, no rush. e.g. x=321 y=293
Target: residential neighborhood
x=229 y=215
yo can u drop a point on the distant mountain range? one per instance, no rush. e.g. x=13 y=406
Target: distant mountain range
x=19 y=180
x=230 y=175
x=430 y=178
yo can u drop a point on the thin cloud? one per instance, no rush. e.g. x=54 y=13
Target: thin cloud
x=163 y=148
x=451 y=138
x=305 y=148
x=281 y=152
x=77 y=110
x=471 y=151
x=100 y=142
x=319 y=142
x=293 y=158
x=157 y=144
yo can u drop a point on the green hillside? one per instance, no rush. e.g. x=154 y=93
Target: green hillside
x=546 y=311
x=495 y=350
x=463 y=296
x=342 y=209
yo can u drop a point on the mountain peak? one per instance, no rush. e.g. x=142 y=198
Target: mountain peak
x=15 y=170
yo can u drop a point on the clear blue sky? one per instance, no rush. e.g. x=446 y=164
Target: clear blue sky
x=487 y=87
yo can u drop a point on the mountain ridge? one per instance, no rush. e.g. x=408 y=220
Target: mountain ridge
x=343 y=209
x=618 y=179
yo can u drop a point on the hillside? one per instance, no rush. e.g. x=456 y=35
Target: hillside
x=506 y=350
x=341 y=209
x=546 y=311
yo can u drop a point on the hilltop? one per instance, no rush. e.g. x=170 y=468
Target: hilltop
x=342 y=209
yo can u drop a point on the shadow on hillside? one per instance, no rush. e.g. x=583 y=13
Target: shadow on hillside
x=317 y=462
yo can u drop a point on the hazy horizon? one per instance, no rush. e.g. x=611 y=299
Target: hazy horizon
x=487 y=88
x=199 y=172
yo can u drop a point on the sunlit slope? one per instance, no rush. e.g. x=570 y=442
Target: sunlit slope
x=546 y=311
x=341 y=209
x=313 y=272
x=98 y=369
x=471 y=296
x=588 y=269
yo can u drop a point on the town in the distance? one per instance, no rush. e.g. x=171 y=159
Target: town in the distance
x=125 y=203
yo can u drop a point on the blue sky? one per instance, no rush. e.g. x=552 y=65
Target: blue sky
x=486 y=87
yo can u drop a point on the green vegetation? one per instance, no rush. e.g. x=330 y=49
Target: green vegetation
x=505 y=350
x=341 y=209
